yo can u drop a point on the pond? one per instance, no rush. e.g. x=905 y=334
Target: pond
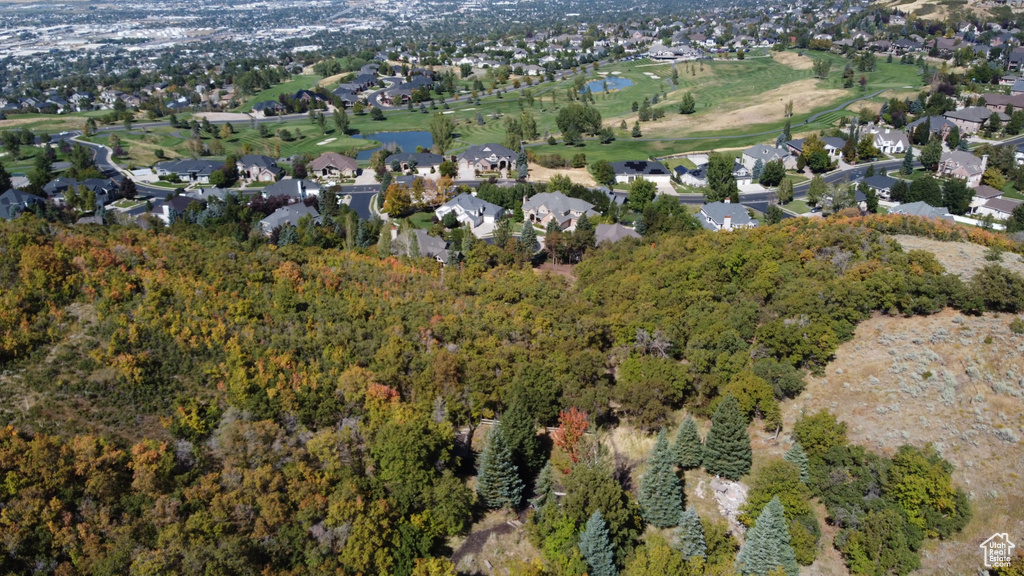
x=407 y=141
x=612 y=82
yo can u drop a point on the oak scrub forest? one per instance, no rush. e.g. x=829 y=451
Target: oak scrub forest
x=190 y=401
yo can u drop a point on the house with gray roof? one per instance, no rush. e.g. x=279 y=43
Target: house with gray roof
x=487 y=158
x=696 y=177
x=258 y=168
x=922 y=210
x=268 y=108
x=998 y=208
x=545 y=207
x=725 y=216
x=833 y=146
x=333 y=166
x=937 y=125
x=13 y=202
x=630 y=170
x=422 y=162
x=881 y=184
x=971 y=119
x=432 y=246
x=469 y=209
x=889 y=140
x=294 y=189
x=766 y=154
x=290 y=214
x=963 y=165
x=189 y=170
x=613 y=233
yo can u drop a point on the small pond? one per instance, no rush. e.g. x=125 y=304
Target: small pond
x=612 y=83
x=407 y=141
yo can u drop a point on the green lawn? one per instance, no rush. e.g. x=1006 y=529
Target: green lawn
x=422 y=220
x=797 y=207
x=290 y=87
x=1010 y=191
x=127 y=204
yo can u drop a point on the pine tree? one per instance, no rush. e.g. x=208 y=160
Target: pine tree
x=636 y=130
x=522 y=166
x=907 y=168
x=758 y=169
x=5 y=180
x=528 y=244
x=661 y=495
x=468 y=240
x=597 y=548
x=688 y=447
x=520 y=433
x=689 y=537
x=727 y=447
x=498 y=482
x=796 y=455
x=545 y=486
x=767 y=547
x=384 y=242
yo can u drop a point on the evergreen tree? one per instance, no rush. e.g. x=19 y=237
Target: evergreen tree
x=758 y=169
x=528 y=244
x=636 y=130
x=545 y=486
x=661 y=495
x=907 y=167
x=767 y=547
x=688 y=447
x=787 y=131
x=498 y=482
x=688 y=105
x=796 y=455
x=5 y=180
x=727 y=447
x=519 y=430
x=689 y=537
x=522 y=165
x=597 y=548
x=384 y=242
x=468 y=240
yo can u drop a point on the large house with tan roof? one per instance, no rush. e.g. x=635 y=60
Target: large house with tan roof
x=333 y=166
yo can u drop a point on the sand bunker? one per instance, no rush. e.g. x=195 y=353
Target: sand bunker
x=328 y=141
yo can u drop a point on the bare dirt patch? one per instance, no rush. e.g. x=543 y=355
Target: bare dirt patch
x=951 y=380
x=770 y=108
x=794 y=61
x=577 y=175
x=223 y=116
x=960 y=258
x=563 y=270
x=332 y=79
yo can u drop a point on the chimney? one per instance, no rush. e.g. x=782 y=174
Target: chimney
x=727 y=223
x=984 y=163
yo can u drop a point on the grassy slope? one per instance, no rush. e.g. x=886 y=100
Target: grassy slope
x=290 y=87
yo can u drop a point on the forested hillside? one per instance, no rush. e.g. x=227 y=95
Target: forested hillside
x=181 y=402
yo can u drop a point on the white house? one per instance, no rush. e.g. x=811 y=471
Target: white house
x=725 y=216
x=630 y=170
x=469 y=209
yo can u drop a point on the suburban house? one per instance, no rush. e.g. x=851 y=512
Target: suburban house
x=469 y=209
x=963 y=165
x=487 y=158
x=922 y=210
x=174 y=208
x=743 y=176
x=333 y=166
x=889 y=140
x=104 y=188
x=630 y=170
x=998 y=102
x=983 y=194
x=432 y=246
x=189 y=170
x=613 y=233
x=725 y=216
x=258 y=168
x=999 y=208
x=659 y=51
x=1017 y=88
x=937 y=125
x=696 y=177
x=295 y=189
x=267 y=108
x=833 y=147
x=971 y=119
x=766 y=154
x=290 y=214
x=881 y=184
x=422 y=162
x=13 y=202
x=545 y=207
